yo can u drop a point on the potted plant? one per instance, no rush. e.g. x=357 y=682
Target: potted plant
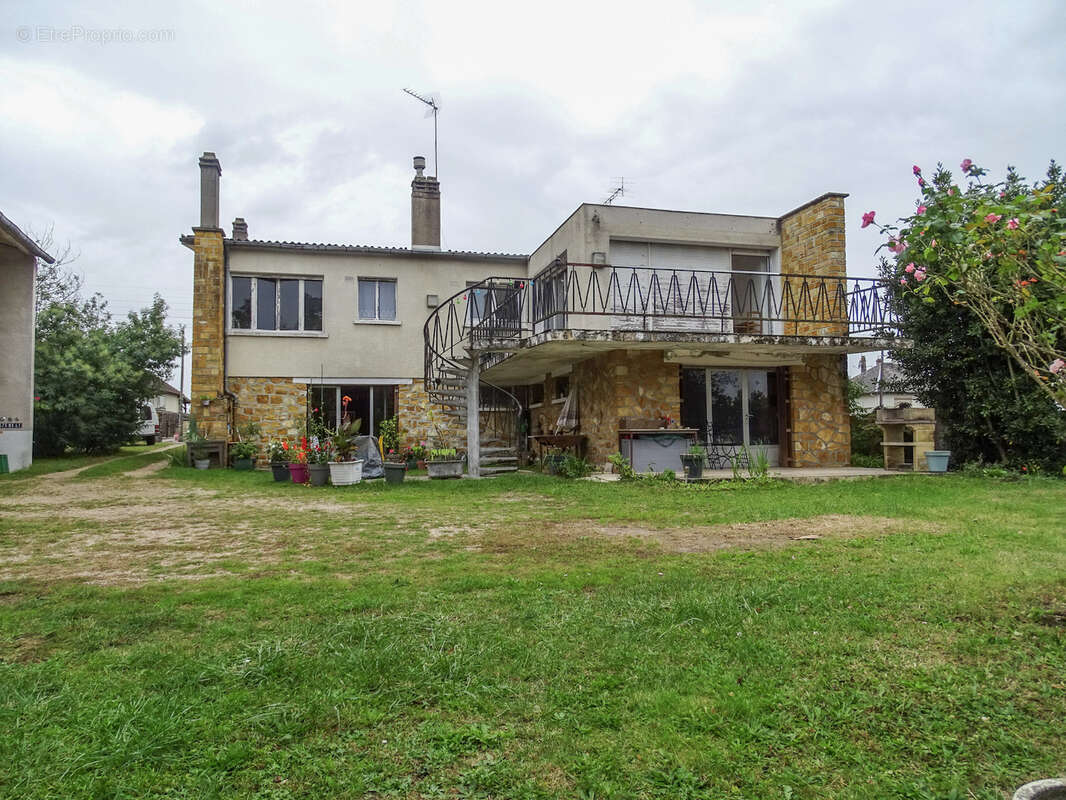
x=345 y=471
x=419 y=453
x=278 y=453
x=198 y=453
x=318 y=454
x=242 y=454
x=444 y=462
x=408 y=458
x=693 y=461
x=197 y=445
x=298 y=465
x=244 y=451
x=395 y=467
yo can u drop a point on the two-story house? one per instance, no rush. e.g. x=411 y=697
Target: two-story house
x=736 y=326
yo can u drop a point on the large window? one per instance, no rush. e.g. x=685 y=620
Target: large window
x=275 y=304
x=377 y=299
x=369 y=404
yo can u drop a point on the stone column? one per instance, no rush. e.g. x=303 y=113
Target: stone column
x=208 y=333
x=473 y=419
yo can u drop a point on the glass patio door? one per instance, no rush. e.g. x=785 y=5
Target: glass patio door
x=742 y=412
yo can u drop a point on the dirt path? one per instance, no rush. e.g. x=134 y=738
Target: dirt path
x=70 y=473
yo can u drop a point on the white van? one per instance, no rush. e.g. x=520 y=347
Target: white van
x=150 y=425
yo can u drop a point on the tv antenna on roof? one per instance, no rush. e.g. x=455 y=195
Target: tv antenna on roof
x=616 y=192
x=433 y=102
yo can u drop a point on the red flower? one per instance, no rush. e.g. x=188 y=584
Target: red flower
x=285 y=445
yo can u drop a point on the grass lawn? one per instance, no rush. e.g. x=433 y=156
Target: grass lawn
x=172 y=633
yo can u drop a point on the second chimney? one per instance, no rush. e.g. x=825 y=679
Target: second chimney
x=210 y=171
x=240 y=230
x=425 y=209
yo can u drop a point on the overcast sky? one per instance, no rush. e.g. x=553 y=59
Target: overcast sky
x=741 y=107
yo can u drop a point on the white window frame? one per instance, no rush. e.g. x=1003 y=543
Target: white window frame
x=377 y=320
x=253 y=330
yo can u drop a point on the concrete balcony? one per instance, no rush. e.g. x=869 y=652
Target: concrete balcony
x=525 y=327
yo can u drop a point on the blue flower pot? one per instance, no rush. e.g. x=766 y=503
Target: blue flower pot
x=937 y=460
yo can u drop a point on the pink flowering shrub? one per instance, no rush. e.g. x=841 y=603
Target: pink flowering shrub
x=998 y=249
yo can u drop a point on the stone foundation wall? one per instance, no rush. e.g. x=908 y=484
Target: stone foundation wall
x=277 y=404
x=617 y=384
x=417 y=416
x=821 y=428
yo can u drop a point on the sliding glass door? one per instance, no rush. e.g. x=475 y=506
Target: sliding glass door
x=736 y=410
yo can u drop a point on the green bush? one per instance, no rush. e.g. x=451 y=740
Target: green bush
x=574 y=467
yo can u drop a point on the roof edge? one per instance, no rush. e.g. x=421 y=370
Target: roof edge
x=403 y=252
x=813 y=202
x=29 y=246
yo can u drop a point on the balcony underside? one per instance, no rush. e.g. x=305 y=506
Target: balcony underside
x=531 y=358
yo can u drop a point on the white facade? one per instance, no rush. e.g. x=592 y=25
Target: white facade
x=18 y=270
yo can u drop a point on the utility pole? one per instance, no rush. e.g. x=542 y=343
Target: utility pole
x=181 y=383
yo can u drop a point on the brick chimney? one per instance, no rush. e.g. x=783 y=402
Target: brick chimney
x=425 y=209
x=862 y=359
x=240 y=230
x=210 y=175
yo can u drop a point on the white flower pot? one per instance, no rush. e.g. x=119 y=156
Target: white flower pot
x=345 y=473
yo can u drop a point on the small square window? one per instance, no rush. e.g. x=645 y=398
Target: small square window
x=377 y=299
x=561 y=387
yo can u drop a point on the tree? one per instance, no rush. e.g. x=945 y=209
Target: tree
x=91 y=374
x=987 y=408
x=998 y=250
x=979 y=288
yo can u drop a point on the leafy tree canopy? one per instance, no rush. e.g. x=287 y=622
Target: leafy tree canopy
x=92 y=374
x=978 y=277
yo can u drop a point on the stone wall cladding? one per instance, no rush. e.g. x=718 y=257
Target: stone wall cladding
x=417 y=416
x=208 y=332
x=616 y=384
x=821 y=429
x=812 y=243
x=279 y=406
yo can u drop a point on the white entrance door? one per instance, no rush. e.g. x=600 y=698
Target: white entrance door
x=742 y=412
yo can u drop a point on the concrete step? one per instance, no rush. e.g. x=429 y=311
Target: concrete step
x=498 y=461
x=496 y=470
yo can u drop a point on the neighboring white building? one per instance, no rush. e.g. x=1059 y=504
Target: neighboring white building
x=167 y=398
x=18 y=272
x=884 y=387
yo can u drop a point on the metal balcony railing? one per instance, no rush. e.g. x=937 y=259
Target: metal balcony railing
x=498 y=314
